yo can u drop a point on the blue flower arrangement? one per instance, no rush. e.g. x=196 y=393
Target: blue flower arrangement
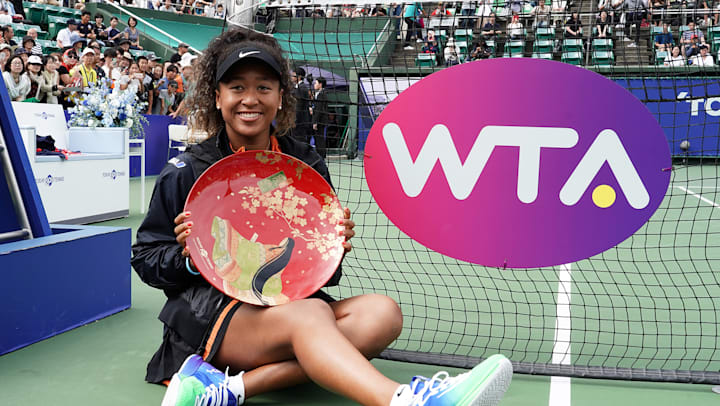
x=102 y=106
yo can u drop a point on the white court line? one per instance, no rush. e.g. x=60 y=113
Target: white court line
x=560 y=385
x=691 y=193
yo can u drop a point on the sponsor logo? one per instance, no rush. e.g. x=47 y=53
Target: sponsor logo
x=49 y=180
x=552 y=171
x=113 y=174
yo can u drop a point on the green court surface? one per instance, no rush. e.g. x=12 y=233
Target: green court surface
x=654 y=314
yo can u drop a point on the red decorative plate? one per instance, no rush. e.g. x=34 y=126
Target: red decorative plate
x=266 y=228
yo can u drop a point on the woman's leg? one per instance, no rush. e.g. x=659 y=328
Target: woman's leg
x=327 y=343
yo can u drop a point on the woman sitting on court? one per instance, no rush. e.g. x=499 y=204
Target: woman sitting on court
x=243 y=85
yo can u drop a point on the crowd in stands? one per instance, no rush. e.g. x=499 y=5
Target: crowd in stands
x=91 y=53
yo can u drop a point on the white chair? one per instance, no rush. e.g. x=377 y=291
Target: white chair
x=177 y=138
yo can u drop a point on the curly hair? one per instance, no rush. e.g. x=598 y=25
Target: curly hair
x=205 y=116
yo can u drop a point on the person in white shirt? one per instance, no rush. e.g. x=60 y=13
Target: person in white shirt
x=675 y=59
x=67 y=36
x=703 y=59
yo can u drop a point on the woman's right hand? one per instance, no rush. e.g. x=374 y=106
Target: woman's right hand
x=182 y=231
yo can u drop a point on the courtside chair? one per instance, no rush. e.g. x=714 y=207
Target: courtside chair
x=602 y=44
x=603 y=58
x=544 y=33
x=425 y=60
x=464 y=35
x=543 y=46
x=572 y=57
x=178 y=136
x=572 y=45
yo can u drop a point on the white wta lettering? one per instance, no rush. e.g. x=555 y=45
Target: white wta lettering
x=462 y=177
x=439 y=146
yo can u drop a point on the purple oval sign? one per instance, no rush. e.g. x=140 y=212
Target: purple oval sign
x=517 y=162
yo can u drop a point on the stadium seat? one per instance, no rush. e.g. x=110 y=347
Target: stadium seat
x=542 y=55
x=441 y=36
x=464 y=35
x=573 y=58
x=424 y=60
x=603 y=58
x=660 y=57
x=55 y=24
x=514 y=47
x=544 y=33
x=543 y=46
x=713 y=33
x=572 y=45
x=609 y=32
x=715 y=44
x=602 y=44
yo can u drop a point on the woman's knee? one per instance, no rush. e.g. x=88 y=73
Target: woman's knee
x=378 y=320
x=308 y=312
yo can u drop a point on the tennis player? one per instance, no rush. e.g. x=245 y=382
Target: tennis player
x=209 y=339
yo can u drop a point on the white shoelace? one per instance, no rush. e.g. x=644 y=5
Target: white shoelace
x=215 y=395
x=438 y=383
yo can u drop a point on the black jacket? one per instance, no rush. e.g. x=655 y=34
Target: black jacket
x=192 y=303
x=320 y=111
x=302 y=111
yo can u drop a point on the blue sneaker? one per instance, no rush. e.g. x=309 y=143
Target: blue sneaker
x=198 y=383
x=484 y=385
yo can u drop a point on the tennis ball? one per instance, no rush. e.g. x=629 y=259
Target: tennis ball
x=685 y=145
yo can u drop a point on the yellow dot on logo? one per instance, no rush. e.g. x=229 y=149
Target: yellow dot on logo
x=603 y=196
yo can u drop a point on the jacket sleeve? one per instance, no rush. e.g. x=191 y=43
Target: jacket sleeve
x=157 y=256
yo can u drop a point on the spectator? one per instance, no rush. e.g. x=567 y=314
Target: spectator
x=451 y=53
x=34 y=66
x=573 y=26
x=37 y=48
x=86 y=29
x=113 y=34
x=147 y=82
x=657 y=11
x=515 y=28
x=301 y=132
x=5 y=18
x=703 y=59
x=79 y=45
x=480 y=51
x=109 y=67
x=50 y=87
x=8 y=33
x=378 y=11
x=220 y=11
x=664 y=41
x=67 y=36
x=22 y=53
x=16 y=81
x=99 y=63
x=413 y=14
x=541 y=12
x=514 y=7
x=86 y=70
x=320 y=115
x=96 y=47
x=692 y=38
x=100 y=30
x=132 y=79
x=491 y=29
x=703 y=5
x=430 y=47
x=440 y=11
x=132 y=33
x=28 y=43
x=675 y=58
x=467 y=10
x=186 y=68
x=157 y=75
x=182 y=48
x=167 y=6
x=70 y=59
x=5 y=52
x=635 y=13
x=185 y=7
x=167 y=98
x=602 y=25
x=170 y=76
x=124 y=61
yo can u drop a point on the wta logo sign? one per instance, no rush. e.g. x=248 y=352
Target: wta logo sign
x=553 y=168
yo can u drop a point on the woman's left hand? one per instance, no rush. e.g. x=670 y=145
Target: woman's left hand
x=348 y=231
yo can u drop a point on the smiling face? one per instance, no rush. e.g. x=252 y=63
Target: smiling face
x=249 y=97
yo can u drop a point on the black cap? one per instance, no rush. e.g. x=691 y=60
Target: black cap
x=28 y=38
x=72 y=21
x=242 y=54
x=183 y=45
x=123 y=41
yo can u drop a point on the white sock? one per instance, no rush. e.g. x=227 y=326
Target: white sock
x=403 y=396
x=237 y=386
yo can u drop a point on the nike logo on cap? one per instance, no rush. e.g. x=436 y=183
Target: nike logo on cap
x=244 y=54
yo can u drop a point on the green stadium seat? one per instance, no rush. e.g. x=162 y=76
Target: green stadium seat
x=660 y=57
x=513 y=55
x=603 y=58
x=609 y=32
x=425 y=60
x=572 y=45
x=464 y=35
x=441 y=36
x=544 y=33
x=543 y=45
x=655 y=30
x=712 y=33
x=602 y=44
x=542 y=55
x=55 y=24
x=573 y=57
x=514 y=47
